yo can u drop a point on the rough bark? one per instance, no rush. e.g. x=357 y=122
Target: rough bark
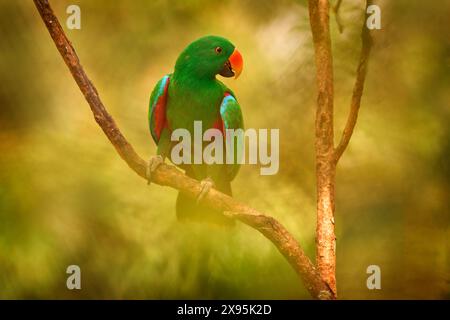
x=324 y=144
x=327 y=156
x=167 y=175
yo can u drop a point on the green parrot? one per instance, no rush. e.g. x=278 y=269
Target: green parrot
x=192 y=93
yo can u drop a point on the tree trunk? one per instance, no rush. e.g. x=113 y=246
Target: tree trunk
x=325 y=164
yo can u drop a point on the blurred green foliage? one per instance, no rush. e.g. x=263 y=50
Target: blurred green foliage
x=67 y=198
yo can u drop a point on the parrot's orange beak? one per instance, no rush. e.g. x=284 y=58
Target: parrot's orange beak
x=237 y=63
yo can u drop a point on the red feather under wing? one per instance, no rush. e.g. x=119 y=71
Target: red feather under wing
x=160 y=111
x=219 y=125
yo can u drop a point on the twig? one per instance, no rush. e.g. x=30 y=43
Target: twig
x=357 y=90
x=337 y=16
x=167 y=175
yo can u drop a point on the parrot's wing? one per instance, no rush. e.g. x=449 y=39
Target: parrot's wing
x=157 y=108
x=231 y=115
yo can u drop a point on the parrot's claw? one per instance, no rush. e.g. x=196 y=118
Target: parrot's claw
x=153 y=164
x=206 y=184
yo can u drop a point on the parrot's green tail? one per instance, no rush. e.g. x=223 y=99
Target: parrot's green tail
x=188 y=210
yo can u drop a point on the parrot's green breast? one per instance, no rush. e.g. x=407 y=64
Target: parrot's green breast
x=193 y=100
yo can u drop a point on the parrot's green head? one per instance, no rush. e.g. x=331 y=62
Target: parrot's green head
x=209 y=56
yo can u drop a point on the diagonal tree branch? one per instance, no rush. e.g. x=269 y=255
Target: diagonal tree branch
x=357 y=90
x=167 y=175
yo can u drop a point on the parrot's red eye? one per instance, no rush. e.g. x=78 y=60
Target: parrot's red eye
x=218 y=49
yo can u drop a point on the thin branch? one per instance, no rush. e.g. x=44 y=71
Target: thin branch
x=357 y=90
x=337 y=15
x=167 y=175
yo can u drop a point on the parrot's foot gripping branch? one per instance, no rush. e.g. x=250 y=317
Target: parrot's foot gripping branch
x=206 y=184
x=153 y=164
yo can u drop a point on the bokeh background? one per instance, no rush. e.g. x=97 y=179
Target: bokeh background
x=67 y=198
